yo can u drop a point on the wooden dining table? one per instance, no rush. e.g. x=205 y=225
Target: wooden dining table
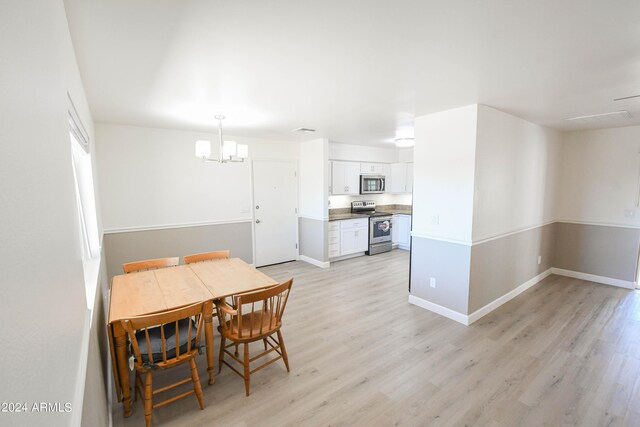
x=155 y=291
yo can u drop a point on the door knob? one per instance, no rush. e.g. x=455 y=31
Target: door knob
x=257 y=221
x=257 y=206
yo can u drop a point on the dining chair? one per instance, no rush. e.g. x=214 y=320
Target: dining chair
x=163 y=341
x=148 y=264
x=261 y=320
x=206 y=256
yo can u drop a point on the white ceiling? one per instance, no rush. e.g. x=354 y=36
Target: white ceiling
x=358 y=71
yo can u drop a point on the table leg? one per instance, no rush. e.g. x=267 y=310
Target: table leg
x=120 y=341
x=208 y=333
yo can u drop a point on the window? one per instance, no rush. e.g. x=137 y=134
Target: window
x=86 y=201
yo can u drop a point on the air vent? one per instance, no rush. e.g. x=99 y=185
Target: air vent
x=601 y=118
x=305 y=130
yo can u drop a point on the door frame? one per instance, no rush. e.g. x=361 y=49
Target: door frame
x=253 y=202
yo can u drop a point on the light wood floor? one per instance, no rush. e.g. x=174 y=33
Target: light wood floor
x=566 y=352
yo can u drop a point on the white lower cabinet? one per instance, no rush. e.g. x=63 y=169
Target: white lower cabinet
x=333 y=240
x=348 y=237
x=401 y=231
x=394 y=229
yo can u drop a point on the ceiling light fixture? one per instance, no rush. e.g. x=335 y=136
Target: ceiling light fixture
x=305 y=130
x=405 y=142
x=626 y=97
x=599 y=118
x=229 y=150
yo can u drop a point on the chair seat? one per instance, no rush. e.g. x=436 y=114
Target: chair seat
x=155 y=338
x=269 y=324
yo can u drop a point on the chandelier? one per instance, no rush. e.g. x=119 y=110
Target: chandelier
x=229 y=150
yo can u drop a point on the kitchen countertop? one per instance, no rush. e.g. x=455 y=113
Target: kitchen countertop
x=343 y=216
x=397 y=211
x=339 y=217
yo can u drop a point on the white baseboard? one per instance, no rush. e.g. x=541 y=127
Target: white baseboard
x=438 y=309
x=593 y=278
x=507 y=297
x=476 y=315
x=313 y=261
x=343 y=257
x=469 y=319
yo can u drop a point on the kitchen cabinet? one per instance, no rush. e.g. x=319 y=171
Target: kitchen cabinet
x=394 y=230
x=401 y=231
x=334 y=239
x=401 y=178
x=348 y=237
x=345 y=177
x=372 y=168
x=354 y=240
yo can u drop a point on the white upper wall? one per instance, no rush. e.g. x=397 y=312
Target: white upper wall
x=314 y=179
x=362 y=153
x=42 y=287
x=151 y=178
x=600 y=176
x=444 y=163
x=515 y=174
x=405 y=155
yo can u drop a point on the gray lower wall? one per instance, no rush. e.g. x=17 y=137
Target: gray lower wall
x=468 y=278
x=138 y=245
x=95 y=405
x=449 y=264
x=501 y=265
x=312 y=234
x=597 y=249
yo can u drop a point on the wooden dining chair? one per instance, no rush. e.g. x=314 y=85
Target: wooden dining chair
x=206 y=256
x=148 y=264
x=260 y=321
x=163 y=341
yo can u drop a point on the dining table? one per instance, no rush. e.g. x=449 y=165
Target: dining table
x=155 y=291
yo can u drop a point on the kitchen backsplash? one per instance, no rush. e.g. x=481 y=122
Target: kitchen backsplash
x=380 y=199
x=387 y=208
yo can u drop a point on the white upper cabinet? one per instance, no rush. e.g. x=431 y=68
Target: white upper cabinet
x=372 y=168
x=401 y=178
x=345 y=177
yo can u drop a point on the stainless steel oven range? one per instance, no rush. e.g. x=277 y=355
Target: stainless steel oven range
x=379 y=226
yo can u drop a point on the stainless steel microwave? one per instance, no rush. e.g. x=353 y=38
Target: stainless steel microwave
x=372 y=184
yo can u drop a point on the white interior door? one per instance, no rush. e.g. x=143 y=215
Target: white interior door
x=275 y=195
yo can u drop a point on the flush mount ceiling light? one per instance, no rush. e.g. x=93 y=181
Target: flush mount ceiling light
x=405 y=142
x=229 y=150
x=600 y=118
x=304 y=130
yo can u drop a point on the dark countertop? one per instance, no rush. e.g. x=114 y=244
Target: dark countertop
x=397 y=211
x=340 y=217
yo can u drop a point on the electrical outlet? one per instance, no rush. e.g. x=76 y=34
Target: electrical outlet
x=432 y=282
x=539 y=259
